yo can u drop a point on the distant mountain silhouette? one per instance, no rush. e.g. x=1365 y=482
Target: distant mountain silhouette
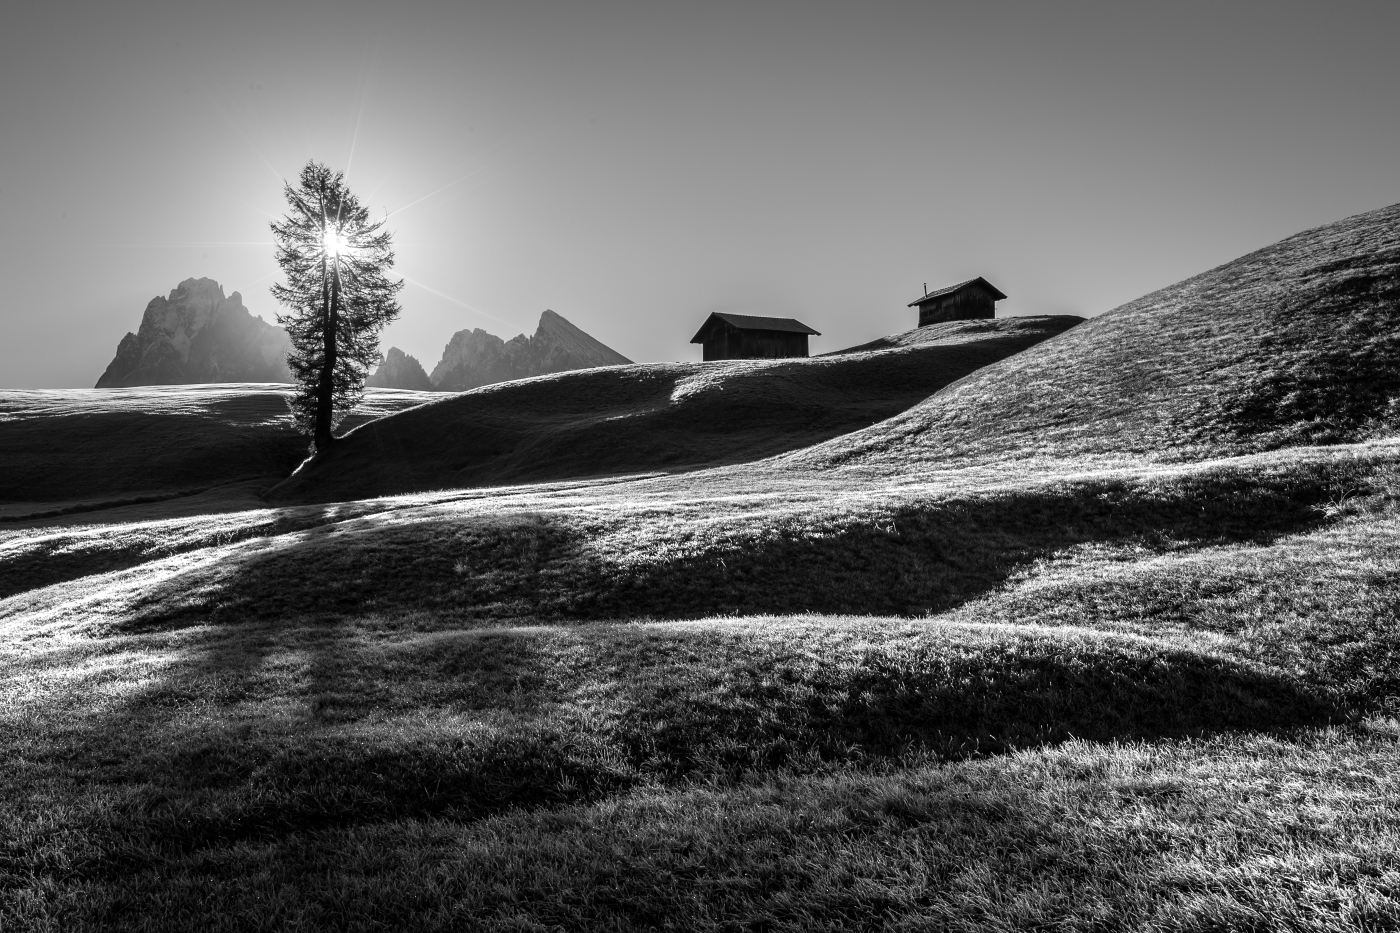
x=398 y=370
x=474 y=358
x=196 y=336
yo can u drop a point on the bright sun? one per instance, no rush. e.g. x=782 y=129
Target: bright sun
x=335 y=242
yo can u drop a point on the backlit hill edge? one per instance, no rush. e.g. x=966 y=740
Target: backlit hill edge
x=1295 y=344
x=665 y=416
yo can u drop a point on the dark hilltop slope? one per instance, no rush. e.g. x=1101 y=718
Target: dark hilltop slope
x=667 y=416
x=1296 y=344
x=66 y=447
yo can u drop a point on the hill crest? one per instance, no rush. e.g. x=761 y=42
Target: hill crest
x=1294 y=344
x=648 y=417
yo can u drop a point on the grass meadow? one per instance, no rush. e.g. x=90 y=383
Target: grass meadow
x=656 y=417
x=1102 y=634
x=1148 y=696
x=92 y=451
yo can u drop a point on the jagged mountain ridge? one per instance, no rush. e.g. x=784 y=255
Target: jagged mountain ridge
x=474 y=358
x=398 y=370
x=197 y=335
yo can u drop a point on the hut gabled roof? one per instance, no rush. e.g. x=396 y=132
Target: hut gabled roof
x=753 y=322
x=996 y=292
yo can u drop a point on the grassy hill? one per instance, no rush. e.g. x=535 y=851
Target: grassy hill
x=1076 y=702
x=628 y=419
x=947 y=672
x=1297 y=343
x=74 y=448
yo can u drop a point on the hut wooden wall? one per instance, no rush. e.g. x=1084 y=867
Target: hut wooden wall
x=731 y=343
x=969 y=304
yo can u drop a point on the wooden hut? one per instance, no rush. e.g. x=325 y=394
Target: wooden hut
x=748 y=337
x=966 y=301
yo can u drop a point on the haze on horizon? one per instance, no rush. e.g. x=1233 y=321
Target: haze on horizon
x=635 y=167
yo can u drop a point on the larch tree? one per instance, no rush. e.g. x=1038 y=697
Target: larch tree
x=337 y=295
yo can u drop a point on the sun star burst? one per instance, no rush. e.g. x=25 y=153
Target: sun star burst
x=335 y=242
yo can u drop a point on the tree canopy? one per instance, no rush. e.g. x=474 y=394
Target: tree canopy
x=337 y=295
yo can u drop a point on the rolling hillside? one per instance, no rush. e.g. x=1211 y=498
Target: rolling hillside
x=982 y=679
x=61 y=448
x=1297 y=343
x=668 y=416
x=1104 y=702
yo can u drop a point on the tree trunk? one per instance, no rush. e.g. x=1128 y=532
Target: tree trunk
x=325 y=391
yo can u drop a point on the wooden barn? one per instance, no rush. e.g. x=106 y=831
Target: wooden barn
x=748 y=337
x=966 y=301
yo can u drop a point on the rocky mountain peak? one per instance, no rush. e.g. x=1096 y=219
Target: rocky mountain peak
x=475 y=358
x=557 y=339
x=398 y=370
x=198 y=335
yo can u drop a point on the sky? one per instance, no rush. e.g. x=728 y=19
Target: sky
x=636 y=166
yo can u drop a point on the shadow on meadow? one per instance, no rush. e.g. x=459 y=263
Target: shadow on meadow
x=111 y=455
x=364 y=673
x=267 y=731
x=908 y=559
x=56 y=559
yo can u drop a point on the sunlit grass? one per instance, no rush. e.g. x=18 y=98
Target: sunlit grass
x=1109 y=698
x=1083 y=641
x=1297 y=343
x=1234 y=832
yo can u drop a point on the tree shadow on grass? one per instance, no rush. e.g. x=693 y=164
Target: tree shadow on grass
x=399 y=694
x=954 y=693
x=486 y=724
x=58 y=560
x=912 y=559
